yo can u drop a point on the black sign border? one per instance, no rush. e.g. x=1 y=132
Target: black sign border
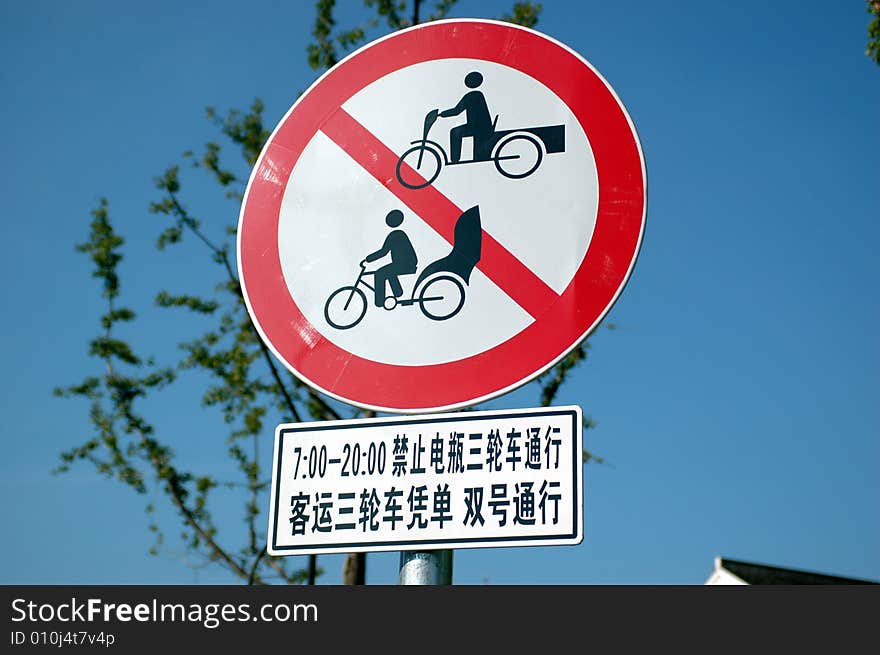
x=432 y=543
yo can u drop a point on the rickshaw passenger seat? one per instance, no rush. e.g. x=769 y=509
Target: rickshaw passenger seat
x=467 y=239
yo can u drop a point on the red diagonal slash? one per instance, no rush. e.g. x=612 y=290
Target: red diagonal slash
x=498 y=264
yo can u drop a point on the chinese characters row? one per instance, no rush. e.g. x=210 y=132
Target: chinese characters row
x=495 y=451
x=418 y=507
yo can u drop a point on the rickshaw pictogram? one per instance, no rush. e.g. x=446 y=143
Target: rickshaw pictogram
x=516 y=153
x=439 y=290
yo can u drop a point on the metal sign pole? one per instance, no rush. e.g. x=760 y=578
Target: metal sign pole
x=429 y=567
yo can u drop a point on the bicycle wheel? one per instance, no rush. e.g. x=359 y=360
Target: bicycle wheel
x=518 y=156
x=417 y=175
x=442 y=297
x=345 y=307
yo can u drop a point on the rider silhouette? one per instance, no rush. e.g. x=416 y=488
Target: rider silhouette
x=403 y=258
x=479 y=123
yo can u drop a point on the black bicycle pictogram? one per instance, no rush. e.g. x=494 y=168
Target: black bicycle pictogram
x=439 y=290
x=516 y=153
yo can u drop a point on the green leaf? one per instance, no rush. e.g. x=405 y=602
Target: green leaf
x=193 y=303
x=873 y=49
x=524 y=13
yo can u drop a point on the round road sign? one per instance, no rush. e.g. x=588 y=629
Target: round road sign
x=441 y=217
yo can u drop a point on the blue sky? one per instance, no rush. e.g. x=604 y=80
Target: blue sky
x=736 y=402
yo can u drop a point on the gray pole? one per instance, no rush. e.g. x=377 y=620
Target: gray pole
x=429 y=567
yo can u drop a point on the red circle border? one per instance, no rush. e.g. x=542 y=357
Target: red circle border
x=593 y=289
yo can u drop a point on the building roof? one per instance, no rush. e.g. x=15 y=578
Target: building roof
x=731 y=571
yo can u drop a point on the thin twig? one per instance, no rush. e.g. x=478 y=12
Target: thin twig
x=252 y=576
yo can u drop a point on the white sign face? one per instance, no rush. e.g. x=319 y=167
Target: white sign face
x=555 y=204
x=441 y=217
x=469 y=480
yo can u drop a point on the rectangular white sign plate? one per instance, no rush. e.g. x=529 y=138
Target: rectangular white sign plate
x=463 y=480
